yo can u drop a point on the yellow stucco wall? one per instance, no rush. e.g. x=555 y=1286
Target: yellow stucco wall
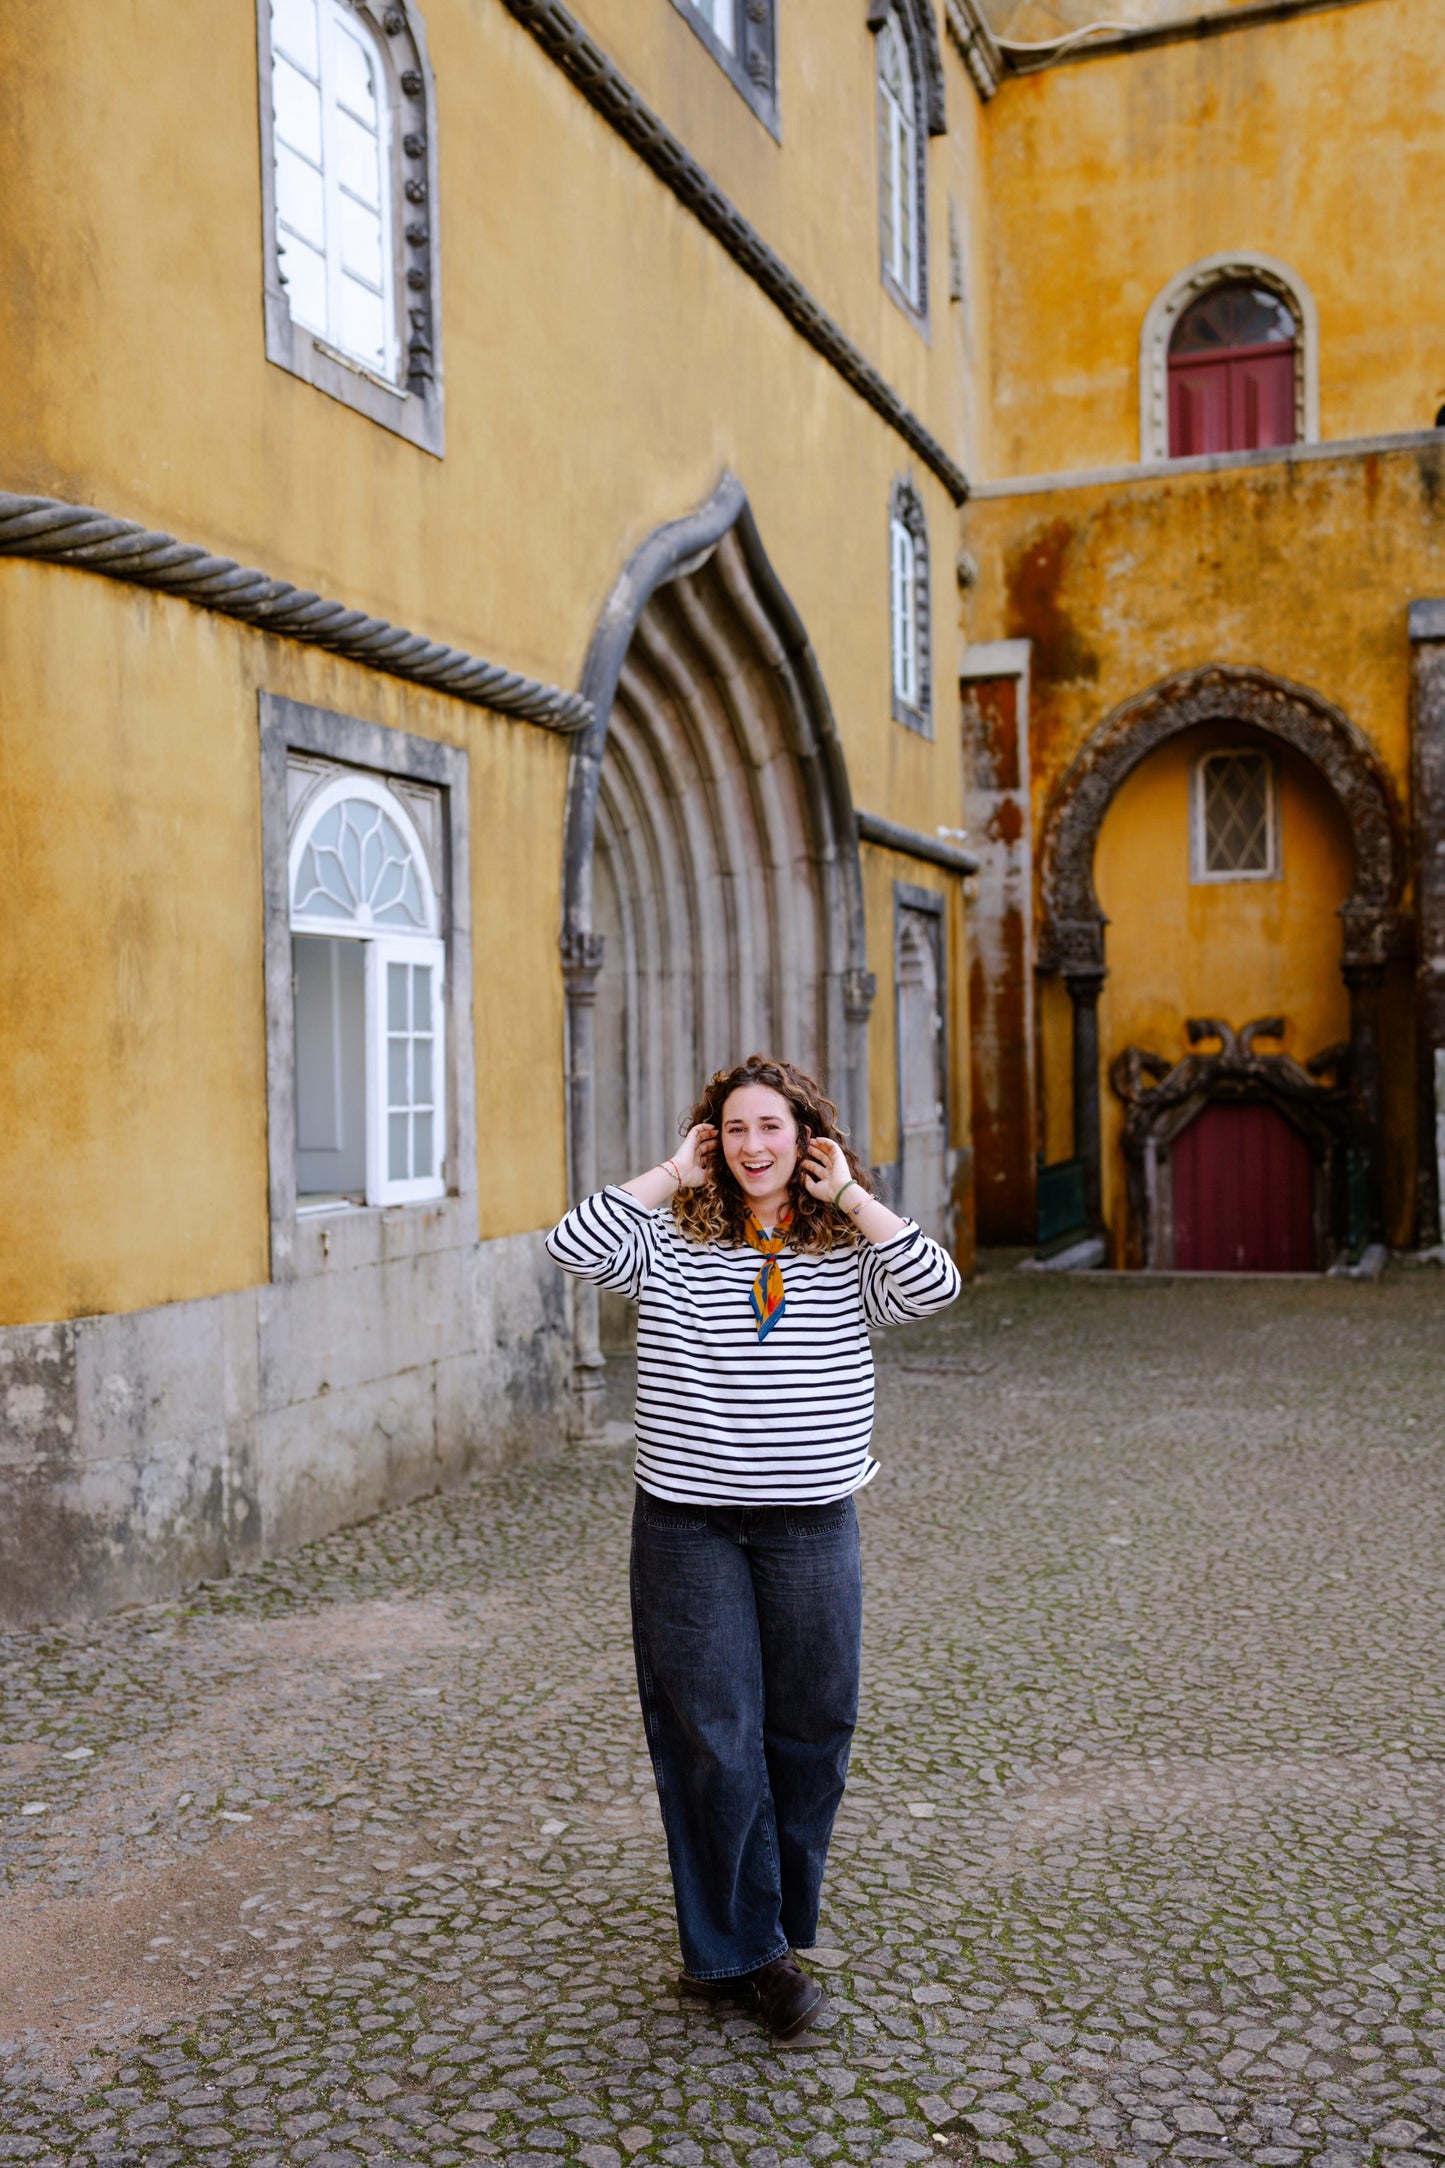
x=1301 y=567
x=1107 y=177
x=133 y=1151
x=605 y=361
x=1233 y=950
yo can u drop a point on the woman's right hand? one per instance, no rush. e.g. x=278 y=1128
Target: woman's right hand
x=693 y=1157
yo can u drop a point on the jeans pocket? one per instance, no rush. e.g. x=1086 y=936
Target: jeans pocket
x=819 y=1520
x=660 y=1513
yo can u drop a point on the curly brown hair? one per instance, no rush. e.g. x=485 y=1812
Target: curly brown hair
x=717 y=1210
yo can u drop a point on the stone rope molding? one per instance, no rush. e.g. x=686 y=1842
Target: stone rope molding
x=76 y=534
x=604 y=86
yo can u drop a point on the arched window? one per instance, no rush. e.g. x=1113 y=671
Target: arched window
x=899 y=164
x=909 y=629
x=1232 y=372
x=1229 y=360
x=368 y=967
x=348 y=172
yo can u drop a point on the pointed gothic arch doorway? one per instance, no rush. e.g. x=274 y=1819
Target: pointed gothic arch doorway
x=713 y=899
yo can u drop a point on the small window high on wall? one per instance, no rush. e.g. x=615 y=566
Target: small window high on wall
x=1236 y=818
x=368 y=971
x=910 y=631
x=1232 y=373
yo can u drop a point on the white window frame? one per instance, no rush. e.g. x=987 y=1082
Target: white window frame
x=903 y=561
x=1200 y=870
x=383 y=944
x=336 y=19
x=410 y=401
x=899 y=153
x=381 y=1186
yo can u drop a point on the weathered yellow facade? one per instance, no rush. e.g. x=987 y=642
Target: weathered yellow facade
x=1191 y=601
x=195 y=1372
x=668 y=397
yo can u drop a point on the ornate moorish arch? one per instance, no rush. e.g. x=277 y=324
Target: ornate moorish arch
x=1073 y=922
x=712 y=891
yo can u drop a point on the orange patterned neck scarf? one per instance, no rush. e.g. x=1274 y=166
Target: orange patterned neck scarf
x=768 y=1298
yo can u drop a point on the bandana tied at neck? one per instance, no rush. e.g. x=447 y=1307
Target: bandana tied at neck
x=768 y=1298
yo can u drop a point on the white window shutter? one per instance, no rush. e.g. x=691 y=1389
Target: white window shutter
x=405 y=1070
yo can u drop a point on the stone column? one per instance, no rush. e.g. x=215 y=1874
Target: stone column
x=1427 y=667
x=859 y=989
x=581 y=969
x=1364 y=981
x=1084 y=990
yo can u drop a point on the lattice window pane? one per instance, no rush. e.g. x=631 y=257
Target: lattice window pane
x=1236 y=814
x=358 y=867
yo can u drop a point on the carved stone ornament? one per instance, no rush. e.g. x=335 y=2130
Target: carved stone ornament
x=582 y=954
x=860 y=990
x=1073 y=922
x=1161 y=1098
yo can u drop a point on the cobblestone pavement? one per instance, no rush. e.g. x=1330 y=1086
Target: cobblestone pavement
x=357 y=1858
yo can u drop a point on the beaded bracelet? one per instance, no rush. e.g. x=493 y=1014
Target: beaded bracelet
x=851 y=1183
x=671 y=1166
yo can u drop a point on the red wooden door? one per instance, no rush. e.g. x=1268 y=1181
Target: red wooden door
x=1243 y=1193
x=1235 y=402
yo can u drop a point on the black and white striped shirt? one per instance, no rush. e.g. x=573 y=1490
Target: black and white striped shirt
x=727 y=1417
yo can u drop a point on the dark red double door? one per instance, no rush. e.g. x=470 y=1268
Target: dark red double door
x=1243 y=1182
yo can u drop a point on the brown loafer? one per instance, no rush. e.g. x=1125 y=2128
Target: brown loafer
x=789 y=2000
x=735 y=1985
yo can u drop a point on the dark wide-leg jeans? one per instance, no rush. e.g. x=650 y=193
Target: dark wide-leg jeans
x=747 y=1623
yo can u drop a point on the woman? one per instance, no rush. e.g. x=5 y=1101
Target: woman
x=758 y=1259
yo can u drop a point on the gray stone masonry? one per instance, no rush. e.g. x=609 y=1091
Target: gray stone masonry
x=141 y=1452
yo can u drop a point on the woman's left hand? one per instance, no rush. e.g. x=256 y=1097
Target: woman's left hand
x=825 y=1168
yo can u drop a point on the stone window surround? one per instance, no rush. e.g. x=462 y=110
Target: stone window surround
x=909 y=897
x=913 y=20
x=413 y=409
x=360 y=1234
x=1187 y=286
x=906 y=505
x=753 y=68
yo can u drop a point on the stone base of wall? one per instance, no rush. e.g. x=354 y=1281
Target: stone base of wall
x=142 y=1452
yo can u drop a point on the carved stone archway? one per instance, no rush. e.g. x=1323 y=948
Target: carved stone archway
x=712 y=892
x=1072 y=934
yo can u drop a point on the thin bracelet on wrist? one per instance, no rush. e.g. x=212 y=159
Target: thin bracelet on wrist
x=671 y=1166
x=851 y=1183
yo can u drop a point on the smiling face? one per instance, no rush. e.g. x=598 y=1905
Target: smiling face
x=761 y=1145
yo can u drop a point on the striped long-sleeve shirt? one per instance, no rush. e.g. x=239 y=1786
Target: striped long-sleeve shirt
x=723 y=1416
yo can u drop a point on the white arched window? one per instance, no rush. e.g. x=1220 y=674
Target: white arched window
x=908 y=610
x=898 y=163
x=368 y=966
x=905 y=614
x=331 y=137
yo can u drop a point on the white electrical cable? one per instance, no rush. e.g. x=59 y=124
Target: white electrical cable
x=1055 y=45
